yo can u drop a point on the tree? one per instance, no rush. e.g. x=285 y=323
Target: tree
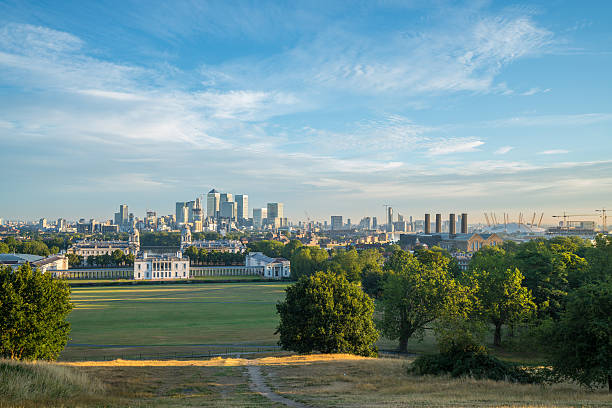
x=74 y=259
x=502 y=298
x=307 y=260
x=290 y=248
x=33 y=311
x=415 y=295
x=327 y=313
x=582 y=339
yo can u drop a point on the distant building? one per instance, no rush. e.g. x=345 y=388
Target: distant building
x=213 y=199
x=273 y=268
x=42 y=224
x=182 y=213
x=259 y=217
x=87 y=248
x=450 y=242
x=228 y=210
x=336 y=222
x=276 y=215
x=160 y=267
x=49 y=263
x=242 y=206
x=232 y=246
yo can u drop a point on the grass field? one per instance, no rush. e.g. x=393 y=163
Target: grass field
x=145 y=320
x=316 y=380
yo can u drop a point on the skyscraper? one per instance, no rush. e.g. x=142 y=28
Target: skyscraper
x=259 y=217
x=228 y=210
x=123 y=210
x=275 y=214
x=213 y=199
x=226 y=197
x=182 y=214
x=336 y=222
x=242 y=206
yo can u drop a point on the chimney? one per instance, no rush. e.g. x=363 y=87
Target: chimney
x=452 y=225
x=464 y=223
x=438 y=223
x=427 y=224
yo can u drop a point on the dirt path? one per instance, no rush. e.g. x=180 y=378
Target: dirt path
x=258 y=385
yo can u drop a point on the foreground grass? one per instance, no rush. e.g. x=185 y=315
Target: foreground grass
x=317 y=380
x=384 y=383
x=30 y=384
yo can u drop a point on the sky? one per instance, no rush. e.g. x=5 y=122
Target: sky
x=334 y=108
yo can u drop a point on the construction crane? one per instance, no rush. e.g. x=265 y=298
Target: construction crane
x=565 y=216
x=604 y=219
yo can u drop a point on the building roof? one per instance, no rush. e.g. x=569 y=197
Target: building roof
x=16 y=258
x=213 y=191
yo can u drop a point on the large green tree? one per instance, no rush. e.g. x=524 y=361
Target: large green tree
x=502 y=299
x=33 y=311
x=328 y=314
x=307 y=260
x=581 y=343
x=415 y=294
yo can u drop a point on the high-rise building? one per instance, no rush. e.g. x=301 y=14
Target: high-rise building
x=336 y=222
x=213 y=199
x=182 y=213
x=226 y=198
x=123 y=210
x=42 y=223
x=374 y=223
x=242 y=206
x=390 y=219
x=259 y=217
x=275 y=210
x=61 y=224
x=228 y=210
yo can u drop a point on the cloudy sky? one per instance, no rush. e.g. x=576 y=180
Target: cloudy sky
x=330 y=107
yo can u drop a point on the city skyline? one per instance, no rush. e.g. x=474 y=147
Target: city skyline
x=330 y=108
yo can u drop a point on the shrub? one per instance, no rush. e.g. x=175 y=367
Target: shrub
x=473 y=361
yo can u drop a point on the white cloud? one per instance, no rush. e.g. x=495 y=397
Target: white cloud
x=454 y=145
x=503 y=150
x=534 y=91
x=554 y=151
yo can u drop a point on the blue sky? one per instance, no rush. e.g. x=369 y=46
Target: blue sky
x=329 y=107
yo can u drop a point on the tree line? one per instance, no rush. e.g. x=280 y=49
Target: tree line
x=553 y=296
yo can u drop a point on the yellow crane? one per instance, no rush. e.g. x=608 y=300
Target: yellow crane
x=565 y=216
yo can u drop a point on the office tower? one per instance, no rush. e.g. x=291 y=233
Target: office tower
x=259 y=217
x=464 y=225
x=123 y=210
x=191 y=205
x=348 y=223
x=400 y=217
x=226 y=198
x=182 y=214
x=61 y=224
x=213 y=199
x=228 y=210
x=389 y=216
x=452 y=226
x=427 y=224
x=242 y=206
x=275 y=210
x=336 y=222
x=374 y=223
x=42 y=223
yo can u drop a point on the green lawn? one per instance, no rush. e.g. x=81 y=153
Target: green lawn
x=172 y=319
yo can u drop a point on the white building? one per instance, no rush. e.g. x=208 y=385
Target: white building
x=49 y=263
x=94 y=248
x=160 y=267
x=273 y=268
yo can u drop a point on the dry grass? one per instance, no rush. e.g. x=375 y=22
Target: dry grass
x=293 y=360
x=33 y=383
x=384 y=382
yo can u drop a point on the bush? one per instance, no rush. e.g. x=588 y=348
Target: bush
x=476 y=362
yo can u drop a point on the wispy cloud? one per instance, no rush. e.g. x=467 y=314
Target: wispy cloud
x=455 y=145
x=554 y=151
x=503 y=150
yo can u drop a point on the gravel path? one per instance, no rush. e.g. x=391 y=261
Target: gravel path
x=258 y=385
